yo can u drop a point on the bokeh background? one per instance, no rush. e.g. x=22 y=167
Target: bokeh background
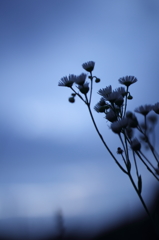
x=51 y=158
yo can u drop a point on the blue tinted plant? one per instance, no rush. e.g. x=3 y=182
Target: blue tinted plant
x=133 y=135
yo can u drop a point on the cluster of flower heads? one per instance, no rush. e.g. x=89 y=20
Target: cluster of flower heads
x=71 y=79
x=144 y=110
x=80 y=80
x=113 y=102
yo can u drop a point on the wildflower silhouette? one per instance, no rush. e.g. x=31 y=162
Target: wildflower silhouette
x=113 y=104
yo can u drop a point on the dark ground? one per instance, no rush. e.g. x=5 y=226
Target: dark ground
x=141 y=228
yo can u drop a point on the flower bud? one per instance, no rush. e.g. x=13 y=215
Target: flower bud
x=88 y=66
x=71 y=99
x=97 y=80
x=111 y=116
x=152 y=118
x=129 y=114
x=119 y=125
x=140 y=184
x=119 y=101
x=157 y=170
x=135 y=145
x=130 y=97
x=119 y=150
x=84 y=89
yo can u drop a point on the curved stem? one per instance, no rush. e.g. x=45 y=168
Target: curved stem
x=139 y=195
x=137 y=152
x=154 y=152
x=123 y=159
x=126 y=101
x=137 y=172
x=78 y=95
x=91 y=88
x=144 y=205
x=101 y=137
x=147 y=159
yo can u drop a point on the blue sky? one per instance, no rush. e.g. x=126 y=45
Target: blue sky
x=51 y=157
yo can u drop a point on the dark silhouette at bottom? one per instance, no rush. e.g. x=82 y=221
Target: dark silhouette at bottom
x=140 y=228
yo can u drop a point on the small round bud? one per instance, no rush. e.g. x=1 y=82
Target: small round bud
x=157 y=171
x=119 y=150
x=129 y=114
x=130 y=97
x=97 y=80
x=135 y=145
x=152 y=118
x=84 y=89
x=71 y=99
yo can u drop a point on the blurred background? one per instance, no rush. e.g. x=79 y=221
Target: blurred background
x=51 y=158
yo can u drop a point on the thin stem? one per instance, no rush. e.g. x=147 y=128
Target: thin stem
x=78 y=95
x=125 y=147
x=147 y=159
x=122 y=143
x=91 y=88
x=154 y=152
x=123 y=158
x=127 y=161
x=144 y=205
x=145 y=126
x=137 y=173
x=127 y=152
x=101 y=137
x=147 y=165
x=139 y=195
x=126 y=100
x=145 y=162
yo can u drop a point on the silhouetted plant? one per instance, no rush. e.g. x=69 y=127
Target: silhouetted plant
x=113 y=104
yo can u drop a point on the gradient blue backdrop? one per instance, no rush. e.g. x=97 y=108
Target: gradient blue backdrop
x=50 y=155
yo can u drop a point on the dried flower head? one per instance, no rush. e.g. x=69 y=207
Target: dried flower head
x=104 y=92
x=80 y=80
x=88 y=66
x=121 y=90
x=119 y=125
x=155 y=107
x=111 y=116
x=67 y=81
x=119 y=101
x=144 y=110
x=84 y=88
x=112 y=97
x=101 y=106
x=128 y=80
